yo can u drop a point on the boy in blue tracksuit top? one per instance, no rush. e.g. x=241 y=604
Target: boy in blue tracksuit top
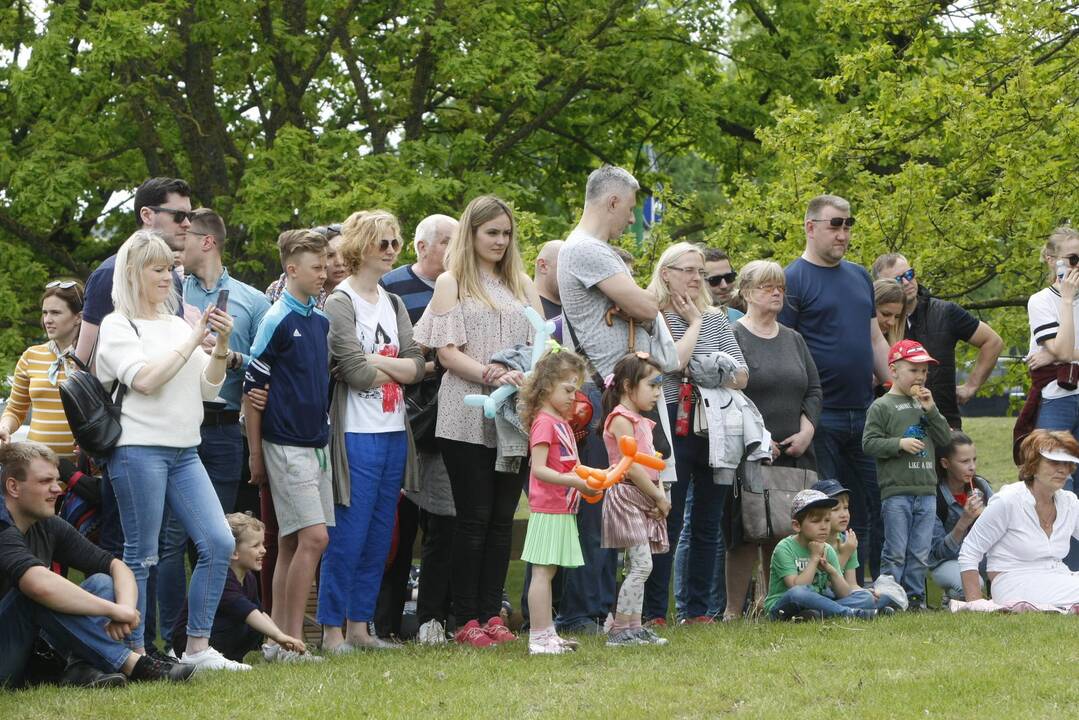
x=288 y=439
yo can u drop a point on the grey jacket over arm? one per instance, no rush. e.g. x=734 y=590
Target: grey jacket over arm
x=353 y=371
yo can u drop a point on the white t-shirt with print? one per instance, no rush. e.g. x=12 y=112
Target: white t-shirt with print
x=377 y=409
x=1043 y=312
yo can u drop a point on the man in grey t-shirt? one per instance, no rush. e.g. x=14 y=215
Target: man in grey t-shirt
x=591 y=280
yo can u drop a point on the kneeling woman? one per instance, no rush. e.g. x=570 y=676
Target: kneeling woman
x=1026 y=529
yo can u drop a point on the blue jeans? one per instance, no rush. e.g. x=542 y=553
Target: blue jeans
x=908 y=538
x=691 y=464
x=1063 y=414
x=148 y=479
x=588 y=592
x=717 y=594
x=221 y=453
x=84 y=636
x=363 y=531
x=803 y=597
x=838 y=446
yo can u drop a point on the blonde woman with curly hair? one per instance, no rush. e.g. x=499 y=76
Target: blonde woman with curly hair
x=478 y=310
x=698 y=328
x=371 y=447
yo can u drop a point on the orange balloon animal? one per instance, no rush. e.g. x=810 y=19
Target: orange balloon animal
x=602 y=480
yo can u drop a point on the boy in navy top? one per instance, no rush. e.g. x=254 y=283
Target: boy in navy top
x=288 y=439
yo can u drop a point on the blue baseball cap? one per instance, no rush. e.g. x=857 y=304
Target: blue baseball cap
x=831 y=488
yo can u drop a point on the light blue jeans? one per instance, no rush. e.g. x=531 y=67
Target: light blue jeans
x=908 y=538
x=146 y=479
x=803 y=597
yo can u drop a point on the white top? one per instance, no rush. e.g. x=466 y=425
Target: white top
x=1008 y=533
x=1043 y=313
x=381 y=408
x=171 y=415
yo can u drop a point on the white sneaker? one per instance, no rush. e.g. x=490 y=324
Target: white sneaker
x=210 y=659
x=547 y=644
x=431 y=633
x=291 y=657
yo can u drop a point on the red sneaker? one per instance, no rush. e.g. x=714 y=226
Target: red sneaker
x=699 y=620
x=656 y=623
x=498 y=632
x=472 y=634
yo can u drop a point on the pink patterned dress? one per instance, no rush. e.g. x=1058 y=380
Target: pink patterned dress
x=625 y=508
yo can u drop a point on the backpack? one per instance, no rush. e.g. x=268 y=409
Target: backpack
x=92 y=412
x=80 y=504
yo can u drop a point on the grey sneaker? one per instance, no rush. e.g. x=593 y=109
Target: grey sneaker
x=269 y=651
x=648 y=636
x=625 y=638
x=291 y=657
x=431 y=633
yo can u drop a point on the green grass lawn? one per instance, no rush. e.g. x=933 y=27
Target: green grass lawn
x=925 y=665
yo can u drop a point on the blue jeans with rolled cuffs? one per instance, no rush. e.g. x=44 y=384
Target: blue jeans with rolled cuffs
x=362 y=533
x=84 y=636
x=803 y=597
x=146 y=480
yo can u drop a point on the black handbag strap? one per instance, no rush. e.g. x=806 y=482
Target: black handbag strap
x=579 y=349
x=118 y=389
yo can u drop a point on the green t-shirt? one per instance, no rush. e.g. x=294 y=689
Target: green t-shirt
x=790 y=558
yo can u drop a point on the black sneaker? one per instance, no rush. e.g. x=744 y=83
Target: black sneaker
x=152 y=651
x=810 y=615
x=886 y=611
x=82 y=674
x=149 y=668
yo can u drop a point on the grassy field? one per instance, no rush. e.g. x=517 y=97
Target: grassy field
x=925 y=665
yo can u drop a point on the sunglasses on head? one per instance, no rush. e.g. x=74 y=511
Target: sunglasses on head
x=908 y=276
x=715 y=280
x=837 y=222
x=384 y=244
x=62 y=284
x=178 y=216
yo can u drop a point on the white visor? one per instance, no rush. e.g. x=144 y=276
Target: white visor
x=1060 y=456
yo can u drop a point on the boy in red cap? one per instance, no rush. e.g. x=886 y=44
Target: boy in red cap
x=902 y=430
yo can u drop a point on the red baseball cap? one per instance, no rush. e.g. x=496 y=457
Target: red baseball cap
x=911 y=351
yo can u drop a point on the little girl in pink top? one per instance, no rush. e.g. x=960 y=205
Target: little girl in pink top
x=634 y=510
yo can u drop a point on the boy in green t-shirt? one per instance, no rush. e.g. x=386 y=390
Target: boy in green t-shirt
x=804 y=565
x=902 y=429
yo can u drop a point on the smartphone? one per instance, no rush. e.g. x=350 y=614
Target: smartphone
x=1062 y=269
x=222 y=303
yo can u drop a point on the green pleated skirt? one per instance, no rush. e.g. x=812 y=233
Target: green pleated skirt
x=551 y=539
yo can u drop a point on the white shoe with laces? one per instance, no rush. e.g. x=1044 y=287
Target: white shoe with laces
x=431 y=633
x=210 y=659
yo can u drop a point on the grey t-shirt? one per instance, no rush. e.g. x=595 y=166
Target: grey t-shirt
x=583 y=263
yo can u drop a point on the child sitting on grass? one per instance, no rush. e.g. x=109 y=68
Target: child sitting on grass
x=804 y=566
x=239 y=624
x=902 y=429
x=961 y=498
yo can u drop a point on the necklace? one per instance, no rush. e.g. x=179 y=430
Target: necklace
x=1046 y=522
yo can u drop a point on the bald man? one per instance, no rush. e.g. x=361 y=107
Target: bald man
x=547 y=278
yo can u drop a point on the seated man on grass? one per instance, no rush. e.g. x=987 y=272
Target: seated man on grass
x=86 y=622
x=804 y=566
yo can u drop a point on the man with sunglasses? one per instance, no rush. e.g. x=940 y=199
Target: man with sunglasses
x=938 y=325
x=162 y=204
x=830 y=302
x=720 y=275
x=222 y=446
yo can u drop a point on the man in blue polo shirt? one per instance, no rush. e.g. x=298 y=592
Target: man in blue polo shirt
x=222 y=446
x=830 y=302
x=432 y=507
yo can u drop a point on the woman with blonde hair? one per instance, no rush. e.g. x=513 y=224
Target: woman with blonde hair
x=146 y=348
x=891 y=306
x=698 y=328
x=785 y=387
x=478 y=310
x=371 y=446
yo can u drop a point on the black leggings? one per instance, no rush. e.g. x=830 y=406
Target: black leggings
x=485 y=501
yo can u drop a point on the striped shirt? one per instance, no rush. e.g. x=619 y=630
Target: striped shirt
x=415 y=291
x=30 y=388
x=716 y=336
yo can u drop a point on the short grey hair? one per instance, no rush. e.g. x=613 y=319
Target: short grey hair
x=145 y=247
x=608 y=179
x=427 y=229
x=822 y=201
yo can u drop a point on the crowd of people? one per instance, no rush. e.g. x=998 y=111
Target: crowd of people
x=358 y=397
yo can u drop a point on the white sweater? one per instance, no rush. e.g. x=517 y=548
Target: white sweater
x=171 y=415
x=1009 y=534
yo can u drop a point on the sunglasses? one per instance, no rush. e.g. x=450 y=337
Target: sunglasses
x=715 y=280
x=328 y=231
x=178 y=216
x=837 y=222
x=384 y=244
x=1072 y=259
x=62 y=284
x=908 y=276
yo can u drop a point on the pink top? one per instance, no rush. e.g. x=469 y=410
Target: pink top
x=642 y=433
x=545 y=497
